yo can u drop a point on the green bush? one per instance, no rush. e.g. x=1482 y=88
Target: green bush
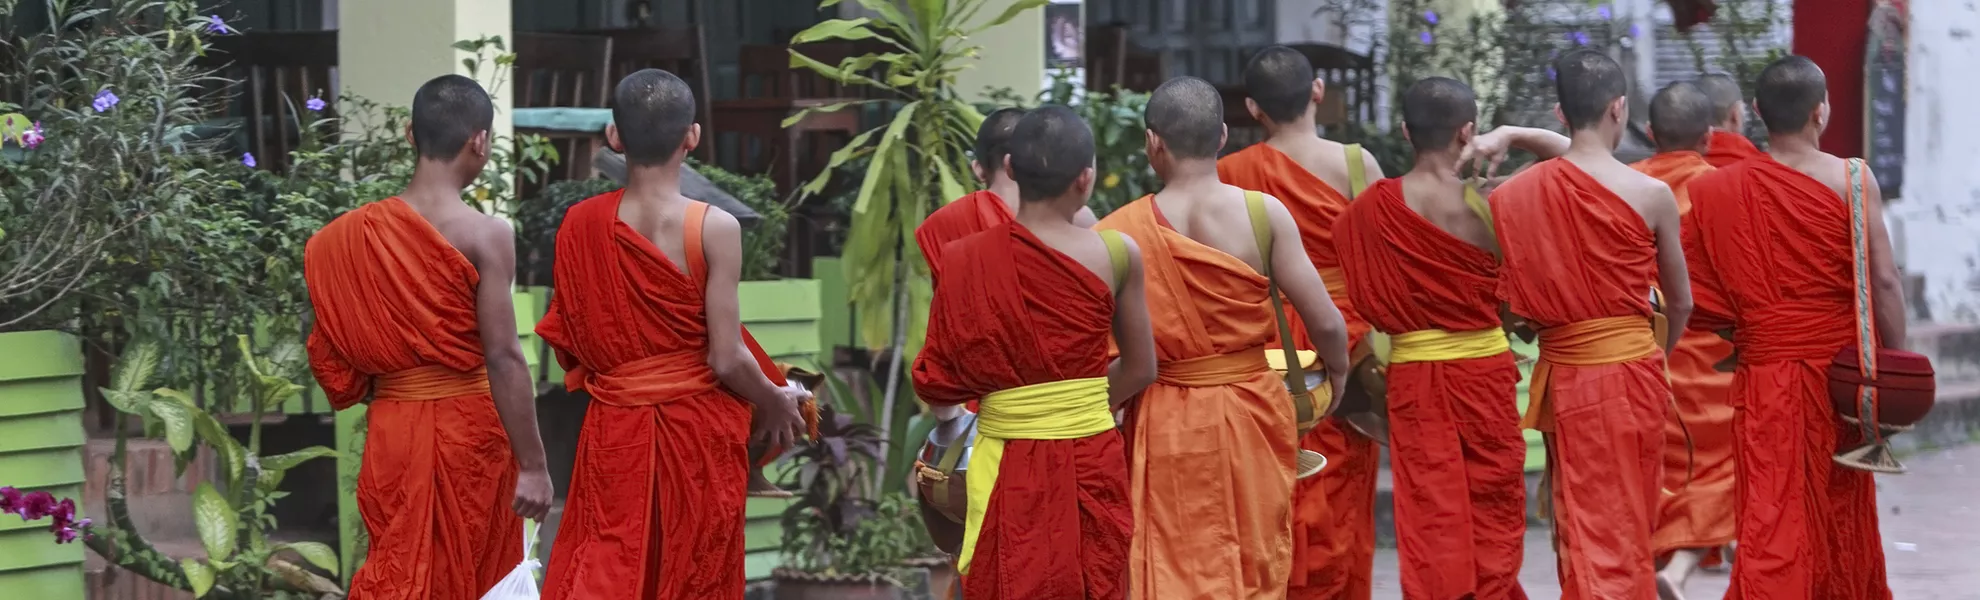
x=762 y=243
x=1121 y=148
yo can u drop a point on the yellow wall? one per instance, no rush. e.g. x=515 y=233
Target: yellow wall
x=1012 y=55
x=387 y=48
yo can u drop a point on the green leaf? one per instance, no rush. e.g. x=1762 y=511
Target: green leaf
x=794 y=119
x=272 y=391
x=316 y=553
x=835 y=29
x=199 y=575
x=930 y=12
x=891 y=17
x=1011 y=12
x=14 y=126
x=233 y=456
x=125 y=401
x=832 y=72
x=856 y=147
x=284 y=462
x=177 y=420
x=136 y=367
x=951 y=189
x=247 y=354
x=880 y=165
x=216 y=520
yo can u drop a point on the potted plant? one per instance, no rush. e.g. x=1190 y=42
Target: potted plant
x=843 y=540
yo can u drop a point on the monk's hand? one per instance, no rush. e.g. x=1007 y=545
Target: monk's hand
x=1486 y=152
x=781 y=424
x=533 y=493
x=1337 y=387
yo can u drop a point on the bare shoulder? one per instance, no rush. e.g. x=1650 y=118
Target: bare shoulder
x=718 y=221
x=1371 y=167
x=482 y=237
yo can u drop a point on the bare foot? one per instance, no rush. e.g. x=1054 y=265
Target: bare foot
x=760 y=487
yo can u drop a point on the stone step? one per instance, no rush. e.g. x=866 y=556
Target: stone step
x=1953 y=347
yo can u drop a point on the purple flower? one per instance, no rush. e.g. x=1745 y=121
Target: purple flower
x=1635 y=30
x=248 y=159
x=66 y=535
x=10 y=500
x=216 y=26
x=105 y=100
x=31 y=138
x=1430 y=16
x=315 y=104
x=1579 y=38
x=1604 y=11
x=37 y=506
x=1424 y=37
x=1550 y=73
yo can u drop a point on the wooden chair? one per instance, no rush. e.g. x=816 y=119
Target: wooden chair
x=678 y=50
x=770 y=90
x=564 y=71
x=279 y=72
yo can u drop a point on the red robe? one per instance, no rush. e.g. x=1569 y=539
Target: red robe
x=1698 y=507
x=1579 y=264
x=1214 y=438
x=395 y=315
x=956 y=220
x=1058 y=524
x=1333 y=512
x=1456 y=451
x=1780 y=242
x=656 y=503
x=1727 y=148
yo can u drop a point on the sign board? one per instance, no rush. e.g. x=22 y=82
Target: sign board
x=1884 y=97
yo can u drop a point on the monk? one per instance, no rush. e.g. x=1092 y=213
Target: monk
x=1728 y=143
x=1333 y=512
x=1584 y=240
x=1421 y=266
x=995 y=204
x=1214 y=439
x=1695 y=517
x=1027 y=332
x=1776 y=229
x=645 y=320
x=413 y=318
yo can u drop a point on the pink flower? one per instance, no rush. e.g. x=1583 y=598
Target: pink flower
x=33 y=136
x=37 y=506
x=10 y=500
x=64 y=513
x=66 y=535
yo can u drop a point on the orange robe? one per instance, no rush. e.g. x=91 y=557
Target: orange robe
x=656 y=503
x=1727 y=148
x=395 y=317
x=1455 y=451
x=1214 y=438
x=1780 y=243
x=1058 y=523
x=956 y=220
x=1579 y=264
x=1697 y=510
x=1333 y=512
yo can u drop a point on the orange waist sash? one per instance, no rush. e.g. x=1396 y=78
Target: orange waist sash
x=430 y=382
x=649 y=381
x=1214 y=370
x=1595 y=342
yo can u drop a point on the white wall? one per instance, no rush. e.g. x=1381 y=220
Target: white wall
x=1938 y=220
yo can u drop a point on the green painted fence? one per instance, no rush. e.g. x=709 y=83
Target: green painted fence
x=41 y=440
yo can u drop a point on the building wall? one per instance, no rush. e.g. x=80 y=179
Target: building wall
x=1936 y=222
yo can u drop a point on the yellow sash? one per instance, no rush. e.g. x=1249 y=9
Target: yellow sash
x=1436 y=344
x=1058 y=410
x=1588 y=343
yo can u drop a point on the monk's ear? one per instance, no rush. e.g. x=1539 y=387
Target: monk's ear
x=480 y=143
x=1319 y=90
x=409 y=136
x=1650 y=131
x=1007 y=167
x=612 y=138
x=1619 y=109
x=1821 y=116
x=1223 y=135
x=1154 y=142
x=1251 y=108
x=1084 y=184
x=977 y=168
x=1464 y=135
x=1405 y=132
x=692 y=140
x=1562 y=116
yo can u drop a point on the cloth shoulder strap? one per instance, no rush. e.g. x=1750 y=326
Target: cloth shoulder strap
x=1261 y=228
x=1866 y=315
x=697 y=262
x=1116 y=254
x=1357 y=171
x=1484 y=211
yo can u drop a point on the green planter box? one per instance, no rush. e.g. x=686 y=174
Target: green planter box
x=784 y=316
x=41 y=440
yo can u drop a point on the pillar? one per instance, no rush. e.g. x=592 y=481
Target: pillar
x=1011 y=55
x=1833 y=33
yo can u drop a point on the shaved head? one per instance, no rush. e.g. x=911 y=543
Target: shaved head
x=993 y=139
x=1724 y=93
x=1435 y=109
x=1188 y=114
x=1280 y=81
x=1050 y=147
x=1587 y=82
x=652 y=110
x=1680 y=117
x=1788 y=92
x=447 y=112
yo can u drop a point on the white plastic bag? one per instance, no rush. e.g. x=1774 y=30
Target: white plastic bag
x=521 y=582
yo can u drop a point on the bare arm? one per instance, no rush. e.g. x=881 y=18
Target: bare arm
x=731 y=360
x=1308 y=295
x=1886 y=285
x=1134 y=369
x=494 y=258
x=1085 y=218
x=1673 y=278
x=1487 y=151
